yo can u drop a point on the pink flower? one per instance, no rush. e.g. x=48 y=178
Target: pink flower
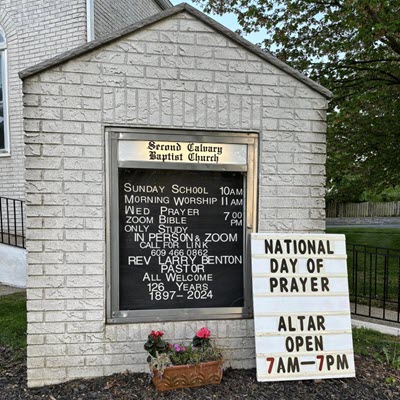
x=178 y=348
x=203 y=333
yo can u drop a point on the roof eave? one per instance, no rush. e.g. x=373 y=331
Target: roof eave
x=97 y=43
x=259 y=52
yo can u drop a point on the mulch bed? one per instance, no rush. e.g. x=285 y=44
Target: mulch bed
x=370 y=384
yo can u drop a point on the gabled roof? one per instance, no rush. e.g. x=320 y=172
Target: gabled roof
x=96 y=44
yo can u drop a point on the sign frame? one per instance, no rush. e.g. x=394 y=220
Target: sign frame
x=294 y=320
x=113 y=137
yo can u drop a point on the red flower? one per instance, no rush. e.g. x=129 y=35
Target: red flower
x=203 y=333
x=156 y=334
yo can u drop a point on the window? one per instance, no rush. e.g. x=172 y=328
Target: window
x=4 y=146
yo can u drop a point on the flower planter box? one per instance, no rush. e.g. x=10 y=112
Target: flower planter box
x=188 y=376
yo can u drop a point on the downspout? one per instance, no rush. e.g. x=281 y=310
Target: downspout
x=90 y=20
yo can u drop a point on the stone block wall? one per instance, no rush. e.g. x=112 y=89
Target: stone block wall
x=36 y=30
x=180 y=74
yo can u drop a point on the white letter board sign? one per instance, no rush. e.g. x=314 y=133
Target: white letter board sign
x=301 y=307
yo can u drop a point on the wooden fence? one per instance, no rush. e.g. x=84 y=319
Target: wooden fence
x=367 y=209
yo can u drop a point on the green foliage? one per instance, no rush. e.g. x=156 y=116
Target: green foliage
x=200 y=342
x=13 y=321
x=383 y=348
x=363 y=142
x=200 y=350
x=352 y=48
x=391 y=380
x=390 y=194
x=155 y=345
x=209 y=352
x=160 y=362
x=189 y=355
x=183 y=355
x=392 y=355
x=202 y=338
x=195 y=355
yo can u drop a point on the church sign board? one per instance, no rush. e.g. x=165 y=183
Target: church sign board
x=301 y=307
x=181 y=209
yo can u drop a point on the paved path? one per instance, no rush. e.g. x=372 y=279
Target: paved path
x=378 y=222
x=374 y=314
x=5 y=290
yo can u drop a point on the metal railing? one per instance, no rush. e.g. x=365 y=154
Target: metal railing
x=374 y=282
x=12 y=229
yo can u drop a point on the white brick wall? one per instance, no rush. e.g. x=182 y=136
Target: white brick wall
x=36 y=30
x=111 y=15
x=178 y=73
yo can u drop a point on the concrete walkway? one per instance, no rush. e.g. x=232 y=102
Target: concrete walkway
x=375 y=314
x=5 y=290
x=372 y=222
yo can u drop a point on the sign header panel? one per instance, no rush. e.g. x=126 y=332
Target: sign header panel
x=182 y=152
x=301 y=307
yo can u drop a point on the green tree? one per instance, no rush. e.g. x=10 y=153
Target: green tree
x=351 y=47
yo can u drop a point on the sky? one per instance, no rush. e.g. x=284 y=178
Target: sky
x=229 y=20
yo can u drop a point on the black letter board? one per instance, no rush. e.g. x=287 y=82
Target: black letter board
x=181 y=239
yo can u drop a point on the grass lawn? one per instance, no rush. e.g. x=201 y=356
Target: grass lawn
x=383 y=348
x=13 y=322
x=377 y=237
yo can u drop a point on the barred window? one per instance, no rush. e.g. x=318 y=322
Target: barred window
x=4 y=145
